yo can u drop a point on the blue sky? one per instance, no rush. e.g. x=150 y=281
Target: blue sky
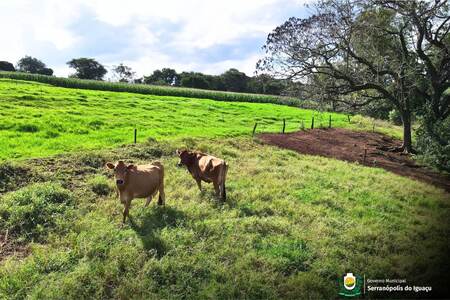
x=197 y=35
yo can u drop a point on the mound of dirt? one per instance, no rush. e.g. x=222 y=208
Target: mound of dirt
x=367 y=148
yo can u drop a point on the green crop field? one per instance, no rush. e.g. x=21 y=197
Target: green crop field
x=156 y=90
x=39 y=120
x=291 y=226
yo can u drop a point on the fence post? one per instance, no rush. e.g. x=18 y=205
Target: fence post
x=312 y=123
x=365 y=154
x=348 y=117
x=303 y=125
x=329 y=122
x=373 y=127
x=135 y=135
x=284 y=124
x=254 y=128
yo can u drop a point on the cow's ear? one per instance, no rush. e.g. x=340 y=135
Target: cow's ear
x=129 y=167
x=110 y=165
x=178 y=152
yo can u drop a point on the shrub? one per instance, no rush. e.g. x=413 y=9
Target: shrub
x=27 y=128
x=100 y=185
x=31 y=211
x=434 y=149
x=394 y=117
x=93 y=160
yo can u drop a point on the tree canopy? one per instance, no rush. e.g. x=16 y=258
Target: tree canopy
x=379 y=50
x=123 y=73
x=33 y=65
x=87 y=68
x=6 y=66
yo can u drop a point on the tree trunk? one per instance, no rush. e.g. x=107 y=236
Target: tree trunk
x=407 y=140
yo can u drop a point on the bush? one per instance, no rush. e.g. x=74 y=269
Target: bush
x=434 y=150
x=28 y=128
x=395 y=118
x=31 y=211
x=92 y=159
x=100 y=185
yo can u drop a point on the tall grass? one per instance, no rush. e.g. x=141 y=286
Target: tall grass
x=157 y=90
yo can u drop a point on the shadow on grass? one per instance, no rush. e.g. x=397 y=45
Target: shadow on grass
x=149 y=223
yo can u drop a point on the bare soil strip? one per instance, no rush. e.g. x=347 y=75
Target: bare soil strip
x=367 y=148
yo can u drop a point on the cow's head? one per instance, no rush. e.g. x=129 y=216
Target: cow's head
x=186 y=157
x=120 y=171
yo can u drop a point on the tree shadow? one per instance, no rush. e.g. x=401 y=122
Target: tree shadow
x=149 y=223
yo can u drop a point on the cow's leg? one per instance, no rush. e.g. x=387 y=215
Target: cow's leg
x=216 y=188
x=199 y=184
x=149 y=199
x=223 y=192
x=162 y=195
x=126 y=210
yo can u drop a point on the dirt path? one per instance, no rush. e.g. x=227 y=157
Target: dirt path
x=349 y=145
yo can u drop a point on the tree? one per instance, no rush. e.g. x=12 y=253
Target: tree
x=166 y=76
x=7 y=66
x=123 y=73
x=33 y=65
x=372 y=48
x=46 y=71
x=87 y=68
x=235 y=81
x=266 y=84
x=194 y=80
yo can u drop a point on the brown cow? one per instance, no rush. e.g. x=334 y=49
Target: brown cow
x=207 y=168
x=142 y=181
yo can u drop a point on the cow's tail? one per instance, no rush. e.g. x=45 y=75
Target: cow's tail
x=224 y=176
x=161 y=196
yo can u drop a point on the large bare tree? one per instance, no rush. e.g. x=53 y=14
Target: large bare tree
x=366 y=51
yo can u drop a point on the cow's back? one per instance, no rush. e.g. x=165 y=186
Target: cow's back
x=144 y=180
x=210 y=166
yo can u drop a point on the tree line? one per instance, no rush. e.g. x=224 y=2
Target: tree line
x=232 y=80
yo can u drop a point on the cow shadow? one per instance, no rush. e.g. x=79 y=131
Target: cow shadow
x=210 y=196
x=149 y=223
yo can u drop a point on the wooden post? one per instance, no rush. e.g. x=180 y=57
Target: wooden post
x=329 y=122
x=254 y=128
x=303 y=125
x=312 y=123
x=365 y=154
x=348 y=117
x=284 y=124
x=135 y=135
x=373 y=127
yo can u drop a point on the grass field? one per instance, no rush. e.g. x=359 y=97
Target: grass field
x=39 y=120
x=291 y=226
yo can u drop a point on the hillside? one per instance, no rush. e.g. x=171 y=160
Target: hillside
x=40 y=120
x=158 y=90
x=291 y=226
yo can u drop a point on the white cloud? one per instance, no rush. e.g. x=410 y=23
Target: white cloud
x=160 y=33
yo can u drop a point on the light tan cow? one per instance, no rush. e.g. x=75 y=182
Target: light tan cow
x=141 y=181
x=207 y=168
